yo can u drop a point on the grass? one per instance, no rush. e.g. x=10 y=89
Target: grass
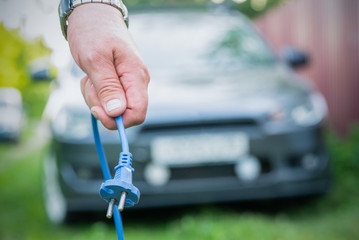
x=334 y=216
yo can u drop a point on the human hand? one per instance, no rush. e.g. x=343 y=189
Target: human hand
x=117 y=78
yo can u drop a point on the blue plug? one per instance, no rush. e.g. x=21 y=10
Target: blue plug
x=120 y=190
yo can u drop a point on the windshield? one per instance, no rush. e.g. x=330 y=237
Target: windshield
x=189 y=41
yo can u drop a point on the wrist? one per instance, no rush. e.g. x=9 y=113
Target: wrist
x=67 y=7
x=90 y=15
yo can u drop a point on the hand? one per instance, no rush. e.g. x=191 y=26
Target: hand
x=117 y=78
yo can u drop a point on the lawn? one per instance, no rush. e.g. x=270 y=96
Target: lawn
x=333 y=216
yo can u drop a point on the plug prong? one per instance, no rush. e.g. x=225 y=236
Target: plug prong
x=110 y=208
x=121 y=204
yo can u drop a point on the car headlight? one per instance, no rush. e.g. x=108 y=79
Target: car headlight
x=310 y=112
x=72 y=124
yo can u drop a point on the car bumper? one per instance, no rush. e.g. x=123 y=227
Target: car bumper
x=282 y=173
x=309 y=187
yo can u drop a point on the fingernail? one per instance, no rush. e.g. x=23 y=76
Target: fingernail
x=94 y=113
x=113 y=104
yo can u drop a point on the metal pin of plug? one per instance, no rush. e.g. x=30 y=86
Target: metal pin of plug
x=121 y=204
x=110 y=208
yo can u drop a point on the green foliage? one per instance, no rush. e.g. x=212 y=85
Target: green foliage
x=251 y=8
x=345 y=153
x=15 y=55
x=255 y=8
x=12 y=60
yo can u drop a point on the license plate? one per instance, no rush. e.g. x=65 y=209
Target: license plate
x=199 y=149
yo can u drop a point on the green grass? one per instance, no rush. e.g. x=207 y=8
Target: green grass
x=334 y=216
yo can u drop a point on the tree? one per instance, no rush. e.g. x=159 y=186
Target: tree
x=15 y=54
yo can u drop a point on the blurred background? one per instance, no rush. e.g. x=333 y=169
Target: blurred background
x=315 y=42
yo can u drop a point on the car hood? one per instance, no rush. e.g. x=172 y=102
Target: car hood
x=249 y=93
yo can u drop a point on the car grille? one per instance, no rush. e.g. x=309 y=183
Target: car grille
x=213 y=171
x=202 y=172
x=209 y=124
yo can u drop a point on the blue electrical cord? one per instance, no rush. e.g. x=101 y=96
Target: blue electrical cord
x=104 y=164
x=122 y=132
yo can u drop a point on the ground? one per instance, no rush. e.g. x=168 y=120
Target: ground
x=333 y=216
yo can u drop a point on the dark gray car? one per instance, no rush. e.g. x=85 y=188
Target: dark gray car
x=227 y=121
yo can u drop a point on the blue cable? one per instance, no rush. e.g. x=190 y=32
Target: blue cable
x=104 y=164
x=100 y=151
x=122 y=132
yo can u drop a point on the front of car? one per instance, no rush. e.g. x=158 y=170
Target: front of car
x=11 y=114
x=226 y=121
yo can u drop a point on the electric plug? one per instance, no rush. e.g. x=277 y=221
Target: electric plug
x=120 y=190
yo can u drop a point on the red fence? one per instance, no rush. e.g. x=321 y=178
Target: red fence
x=329 y=31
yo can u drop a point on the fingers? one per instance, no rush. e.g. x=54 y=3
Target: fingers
x=136 y=115
x=137 y=100
x=90 y=95
x=137 y=96
x=101 y=115
x=134 y=79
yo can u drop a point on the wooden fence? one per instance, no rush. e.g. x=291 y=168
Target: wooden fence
x=329 y=31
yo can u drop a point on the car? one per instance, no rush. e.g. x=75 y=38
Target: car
x=227 y=121
x=11 y=114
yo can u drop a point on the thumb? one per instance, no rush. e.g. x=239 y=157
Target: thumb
x=110 y=94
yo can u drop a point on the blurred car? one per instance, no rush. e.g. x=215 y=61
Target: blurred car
x=11 y=114
x=227 y=121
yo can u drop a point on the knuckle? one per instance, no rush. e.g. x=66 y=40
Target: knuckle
x=108 y=88
x=144 y=73
x=91 y=58
x=83 y=81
